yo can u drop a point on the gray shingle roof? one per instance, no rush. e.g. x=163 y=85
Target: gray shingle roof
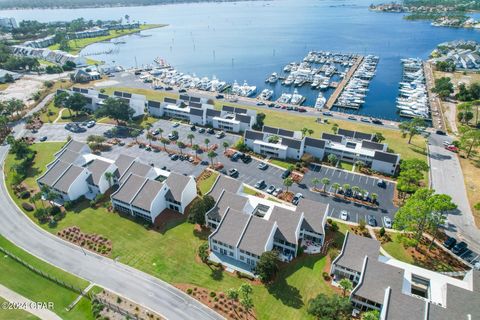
x=97 y=167
x=226 y=200
x=123 y=162
x=196 y=112
x=230 y=229
x=129 y=188
x=177 y=183
x=147 y=194
x=138 y=168
x=253 y=135
x=355 y=249
x=54 y=173
x=243 y=118
x=68 y=156
x=292 y=143
x=63 y=184
x=386 y=157
x=74 y=145
x=372 y=145
x=153 y=104
x=355 y=134
x=377 y=277
x=316 y=143
x=224 y=183
x=401 y=306
x=287 y=221
x=228 y=109
x=460 y=304
x=213 y=113
x=314 y=212
x=255 y=237
x=332 y=137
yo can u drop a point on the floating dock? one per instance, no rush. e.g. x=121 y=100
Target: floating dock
x=343 y=83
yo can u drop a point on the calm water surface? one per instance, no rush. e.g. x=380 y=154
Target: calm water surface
x=250 y=40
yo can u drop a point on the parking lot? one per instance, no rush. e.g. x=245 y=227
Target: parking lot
x=250 y=174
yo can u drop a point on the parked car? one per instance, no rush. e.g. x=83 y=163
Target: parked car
x=459 y=248
x=219 y=96
x=236 y=156
x=296 y=198
x=365 y=120
x=210 y=131
x=286 y=173
x=42 y=139
x=262 y=166
x=327 y=113
x=302 y=110
x=175 y=124
x=352 y=118
x=446 y=143
x=452 y=148
x=220 y=134
x=247 y=158
x=450 y=242
x=372 y=222
x=193 y=128
x=387 y=222
x=440 y=132
x=233 y=172
x=381 y=183
x=172 y=136
x=344 y=215
x=260 y=103
x=204 y=163
x=376 y=121
x=277 y=192
x=270 y=189
x=260 y=184
x=182 y=91
x=201 y=130
x=174 y=157
x=91 y=124
x=156 y=132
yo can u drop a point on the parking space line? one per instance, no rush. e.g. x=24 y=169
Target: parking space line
x=331 y=212
x=373 y=182
x=353 y=177
x=326 y=172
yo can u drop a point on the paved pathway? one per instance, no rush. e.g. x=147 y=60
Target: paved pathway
x=13 y=297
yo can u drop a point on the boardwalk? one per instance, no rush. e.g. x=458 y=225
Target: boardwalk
x=343 y=83
x=438 y=120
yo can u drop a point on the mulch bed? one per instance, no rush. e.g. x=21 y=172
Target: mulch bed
x=92 y=241
x=218 y=302
x=124 y=304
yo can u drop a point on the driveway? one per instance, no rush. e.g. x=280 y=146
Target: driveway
x=447 y=177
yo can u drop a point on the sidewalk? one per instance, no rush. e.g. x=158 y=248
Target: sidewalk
x=14 y=297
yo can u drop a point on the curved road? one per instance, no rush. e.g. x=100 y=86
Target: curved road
x=135 y=285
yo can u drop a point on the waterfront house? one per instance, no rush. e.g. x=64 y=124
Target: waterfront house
x=275 y=142
x=400 y=290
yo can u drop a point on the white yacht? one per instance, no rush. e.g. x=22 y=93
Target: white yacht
x=266 y=94
x=321 y=100
x=284 y=98
x=273 y=78
x=297 y=98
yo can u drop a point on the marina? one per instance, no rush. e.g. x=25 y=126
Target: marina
x=412 y=99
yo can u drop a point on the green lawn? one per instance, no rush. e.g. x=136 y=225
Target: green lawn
x=250 y=191
x=77 y=45
x=29 y=284
x=171 y=256
x=393 y=138
x=281 y=163
x=15 y=314
x=206 y=185
x=397 y=250
x=346 y=166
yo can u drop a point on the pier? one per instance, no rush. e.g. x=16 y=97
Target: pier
x=343 y=83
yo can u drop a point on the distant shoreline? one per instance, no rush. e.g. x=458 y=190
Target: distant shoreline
x=7 y=7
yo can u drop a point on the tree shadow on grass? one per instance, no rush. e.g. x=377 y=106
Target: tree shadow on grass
x=287 y=294
x=201 y=233
x=217 y=274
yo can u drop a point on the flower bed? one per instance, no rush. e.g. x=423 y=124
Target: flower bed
x=92 y=242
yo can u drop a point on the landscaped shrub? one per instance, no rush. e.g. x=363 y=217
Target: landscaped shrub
x=244 y=275
x=27 y=206
x=68 y=205
x=54 y=210
x=24 y=194
x=326 y=276
x=334 y=226
x=382 y=232
x=189 y=291
x=212 y=294
x=52 y=223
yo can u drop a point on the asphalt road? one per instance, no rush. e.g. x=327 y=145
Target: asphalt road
x=447 y=178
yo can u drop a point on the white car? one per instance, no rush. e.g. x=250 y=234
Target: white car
x=277 y=192
x=344 y=215
x=176 y=124
x=387 y=222
x=446 y=143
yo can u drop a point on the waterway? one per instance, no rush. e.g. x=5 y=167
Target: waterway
x=250 y=40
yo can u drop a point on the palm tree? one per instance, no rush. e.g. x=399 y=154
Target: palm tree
x=34 y=198
x=195 y=148
x=374 y=197
x=346 y=285
x=346 y=187
x=207 y=141
x=212 y=154
x=325 y=182
x=310 y=132
x=190 y=137
x=336 y=186
x=355 y=190
x=150 y=137
x=335 y=128
x=164 y=142
x=109 y=176
x=160 y=131
x=359 y=164
x=315 y=182
x=287 y=182
x=225 y=146
x=181 y=146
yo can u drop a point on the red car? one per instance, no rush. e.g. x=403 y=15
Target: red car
x=451 y=148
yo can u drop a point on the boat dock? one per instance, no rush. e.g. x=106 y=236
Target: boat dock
x=343 y=83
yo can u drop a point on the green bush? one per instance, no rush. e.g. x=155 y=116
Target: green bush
x=382 y=232
x=25 y=194
x=27 y=206
x=326 y=276
x=212 y=294
x=54 y=210
x=52 y=223
x=189 y=291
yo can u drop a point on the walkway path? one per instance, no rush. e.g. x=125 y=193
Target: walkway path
x=60 y=113
x=13 y=297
